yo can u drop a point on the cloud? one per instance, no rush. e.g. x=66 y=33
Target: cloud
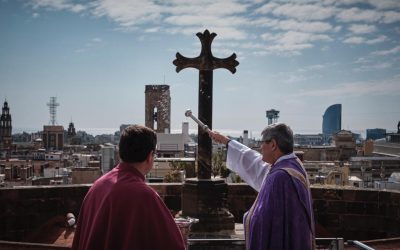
x=354 y=40
x=373 y=88
x=153 y=29
x=358 y=15
x=379 y=39
x=311 y=27
x=204 y=7
x=92 y=44
x=362 y=60
x=385 y=4
x=302 y=74
x=391 y=17
x=128 y=13
x=58 y=5
x=267 y=8
x=190 y=20
x=224 y=33
x=379 y=4
x=292 y=41
x=378 y=66
x=363 y=40
x=298 y=11
x=275 y=27
x=313 y=67
x=295 y=78
x=392 y=51
x=294 y=37
x=362 y=28
x=97 y=40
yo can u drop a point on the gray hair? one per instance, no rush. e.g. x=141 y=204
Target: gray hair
x=282 y=134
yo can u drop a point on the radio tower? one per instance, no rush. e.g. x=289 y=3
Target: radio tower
x=53 y=109
x=272 y=116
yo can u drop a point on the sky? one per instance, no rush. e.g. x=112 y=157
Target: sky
x=298 y=57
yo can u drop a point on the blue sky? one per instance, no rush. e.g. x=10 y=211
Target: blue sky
x=298 y=57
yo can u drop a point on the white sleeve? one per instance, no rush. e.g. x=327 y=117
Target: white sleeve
x=247 y=163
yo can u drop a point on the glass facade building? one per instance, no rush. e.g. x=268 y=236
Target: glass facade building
x=332 y=121
x=376 y=133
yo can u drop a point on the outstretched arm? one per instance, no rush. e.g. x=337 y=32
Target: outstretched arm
x=247 y=163
x=218 y=137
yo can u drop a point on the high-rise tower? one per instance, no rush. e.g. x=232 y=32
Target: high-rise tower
x=158 y=108
x=5 y=126
x=332 y=121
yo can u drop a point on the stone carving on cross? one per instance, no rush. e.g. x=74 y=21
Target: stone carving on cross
x=206 y=60
x=205 y=63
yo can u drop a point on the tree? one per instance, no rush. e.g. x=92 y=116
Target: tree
x=175 y=174
x=217 y=162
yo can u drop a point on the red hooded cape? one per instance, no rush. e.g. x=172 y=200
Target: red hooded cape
x=121 y=211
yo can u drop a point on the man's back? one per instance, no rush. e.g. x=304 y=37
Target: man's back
x=121 y=212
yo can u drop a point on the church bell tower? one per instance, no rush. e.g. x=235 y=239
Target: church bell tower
x=158 y=108
x=5 y=127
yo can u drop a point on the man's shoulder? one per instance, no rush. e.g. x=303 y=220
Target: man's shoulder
x=292 y=163
x=278 y=175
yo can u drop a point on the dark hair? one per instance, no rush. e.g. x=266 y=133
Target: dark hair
x=136 y=143
x=282 y=134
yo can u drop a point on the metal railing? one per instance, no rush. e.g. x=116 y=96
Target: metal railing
x=329 y=243
x=358 y=245
x=239 y=244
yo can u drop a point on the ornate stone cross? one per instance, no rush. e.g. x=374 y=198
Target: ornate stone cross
x=205 y=63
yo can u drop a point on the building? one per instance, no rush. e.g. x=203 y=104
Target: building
x=332 y=121
x=164 y=166
x=72 y=139
x=313 y=140
x=85 y=175
x=392 y=183
x=107 y=158
x=375 y=168
x=342 y=149
x=170 y=145
x=158 y=108
x=376 y=133
x=16 y=171
x=53 y=137
x=388 y=146
x=6 y=128
x=345 y=142
x=327 y=172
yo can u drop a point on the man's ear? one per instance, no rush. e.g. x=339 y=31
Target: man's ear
x=149 y=156
x=274 y=145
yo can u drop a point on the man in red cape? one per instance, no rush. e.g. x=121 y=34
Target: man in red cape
x=121 y=211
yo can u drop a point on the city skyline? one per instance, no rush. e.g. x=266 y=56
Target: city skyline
x=298 y=57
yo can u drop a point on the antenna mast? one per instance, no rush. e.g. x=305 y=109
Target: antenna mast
x=53 y=109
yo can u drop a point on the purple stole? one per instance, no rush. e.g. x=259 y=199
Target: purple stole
x=282 y=216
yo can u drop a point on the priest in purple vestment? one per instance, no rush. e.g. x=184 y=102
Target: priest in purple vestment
x=282 y=215
x=121 y=211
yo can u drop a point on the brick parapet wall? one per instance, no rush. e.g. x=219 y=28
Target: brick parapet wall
x=23 y=209
x=357 y=213
x=350 y=213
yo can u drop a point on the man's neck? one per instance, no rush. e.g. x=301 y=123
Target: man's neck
x=139 y=166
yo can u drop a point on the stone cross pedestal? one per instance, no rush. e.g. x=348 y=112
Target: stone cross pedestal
x=205 y=198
